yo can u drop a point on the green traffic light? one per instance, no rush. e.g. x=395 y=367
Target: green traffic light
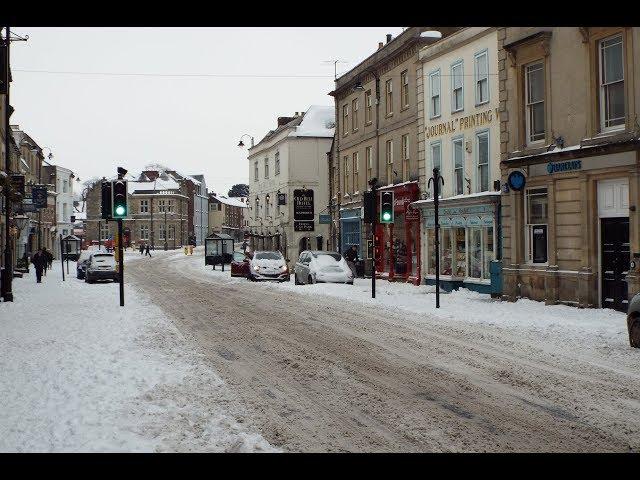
x=386 y=216
x=120 y=210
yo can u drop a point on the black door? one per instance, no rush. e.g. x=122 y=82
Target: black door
x=614 y=235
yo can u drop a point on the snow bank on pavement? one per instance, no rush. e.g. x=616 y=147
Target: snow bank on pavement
x=80 y=373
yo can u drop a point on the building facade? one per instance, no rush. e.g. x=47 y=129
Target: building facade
x=288 y=171
x=61 y=181
x=459 y=134
x=376 y=108
x=226 y=215
x=570 y=161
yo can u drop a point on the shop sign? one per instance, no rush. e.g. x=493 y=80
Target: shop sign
x=461 y=123
x=39 y=196
x=324 y=218
x=303 y=205
x=516 y=180
x=563 y=166
x=474 y=221
x=458 y=221
x=412 y=213
x=282 y=199
x=445 y=221
x=303 y=226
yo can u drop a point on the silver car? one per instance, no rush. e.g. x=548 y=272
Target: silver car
x=320 y=266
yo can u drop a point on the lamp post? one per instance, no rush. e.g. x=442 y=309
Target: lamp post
x=241 y=144
x=436 y=180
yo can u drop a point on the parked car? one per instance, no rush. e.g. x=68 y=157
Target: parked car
x=240 y=264
x=81 y=266
x=320 y=266
x=633 y=321
x=266 y=265
x=101 y=266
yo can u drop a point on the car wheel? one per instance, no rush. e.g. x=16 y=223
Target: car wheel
x=295 y=279
x=633 y=325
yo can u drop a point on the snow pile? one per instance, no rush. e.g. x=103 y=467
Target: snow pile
x=81 y=373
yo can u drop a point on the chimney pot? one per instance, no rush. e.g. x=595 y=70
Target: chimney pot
x=389 y=37
x=380 y=45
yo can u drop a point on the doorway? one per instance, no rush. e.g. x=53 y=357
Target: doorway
x=614 y=263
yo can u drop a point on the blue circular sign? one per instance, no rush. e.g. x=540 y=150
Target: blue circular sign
x=516 y=180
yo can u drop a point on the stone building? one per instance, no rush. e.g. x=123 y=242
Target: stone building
x=376 y=108
x=459 y=133
x=60 y=181
x=569 y=102
x=290 y=163
x=226 y=215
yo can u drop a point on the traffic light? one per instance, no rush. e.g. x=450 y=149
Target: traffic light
x=106 y=200
x=369 y=206
x=386 y=207
x=119 y=206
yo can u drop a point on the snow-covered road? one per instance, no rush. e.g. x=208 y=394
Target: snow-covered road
x=79 y=373
x=326 y=368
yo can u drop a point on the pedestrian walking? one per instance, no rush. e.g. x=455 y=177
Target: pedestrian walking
x=38 y=260
x=49 y=256
x=146 y=251
x=141 y=248
x=351 y=256
x=45 y=264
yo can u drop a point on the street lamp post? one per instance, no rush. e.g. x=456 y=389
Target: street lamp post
x=436 y=180
x=241 y=144
x=7 y=294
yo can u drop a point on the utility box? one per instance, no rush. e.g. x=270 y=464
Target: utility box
x=495 y=270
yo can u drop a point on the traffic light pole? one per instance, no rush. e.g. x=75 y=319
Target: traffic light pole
x=120 y=263
x=7 y=294
x=373 y=234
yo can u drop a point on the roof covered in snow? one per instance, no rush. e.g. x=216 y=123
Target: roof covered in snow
x=156 y=185
x=228 y=201
x=318 y=121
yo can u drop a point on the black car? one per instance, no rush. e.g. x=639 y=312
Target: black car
x=633 y=321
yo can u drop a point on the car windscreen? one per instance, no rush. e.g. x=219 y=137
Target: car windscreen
x=268 y=256
x=238 y=257
x=104 y=259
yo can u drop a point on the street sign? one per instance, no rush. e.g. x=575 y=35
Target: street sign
x=282 y=199
x=27 y=205
x=303 y=226
x=39 y=196
x=303 y=205
x=324 y=218
x=369 y=249
x=17 y=182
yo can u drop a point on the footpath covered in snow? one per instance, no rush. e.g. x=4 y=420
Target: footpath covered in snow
x=79 y=373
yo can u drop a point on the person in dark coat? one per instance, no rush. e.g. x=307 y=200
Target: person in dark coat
x=38 y=260
x=141 y=248
x=49 y=257
x=146 y=252
x=351 y=256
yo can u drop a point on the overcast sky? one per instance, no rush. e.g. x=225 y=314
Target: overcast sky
x=94 y=123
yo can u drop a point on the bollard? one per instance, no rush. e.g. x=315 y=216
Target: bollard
x=186 y=250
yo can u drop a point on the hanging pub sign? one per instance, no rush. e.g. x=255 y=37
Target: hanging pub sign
x=282 y=199
x=303 y=226
x=303 y=205
x=39 y=196
x=17 y=183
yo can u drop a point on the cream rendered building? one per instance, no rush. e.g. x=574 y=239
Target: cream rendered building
x=459 y=133
x=292 y=157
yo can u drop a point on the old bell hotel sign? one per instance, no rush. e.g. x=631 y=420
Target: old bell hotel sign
x=459 y=124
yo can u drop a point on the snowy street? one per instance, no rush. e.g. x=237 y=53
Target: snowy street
x=199 y=361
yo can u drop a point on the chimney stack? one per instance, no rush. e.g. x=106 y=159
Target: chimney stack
x=284 y=120
x=388 y=37
x=380 y=45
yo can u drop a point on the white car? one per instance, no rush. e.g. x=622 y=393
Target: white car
x=319 y=266
x=267 y=265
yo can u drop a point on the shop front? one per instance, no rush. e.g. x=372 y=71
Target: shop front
x=351 y=230
x=574 y=234
x=469 y=235
x=399 y=258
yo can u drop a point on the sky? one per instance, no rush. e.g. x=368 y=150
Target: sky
x=95 y=123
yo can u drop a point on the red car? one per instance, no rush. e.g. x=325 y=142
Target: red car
x=240 y=264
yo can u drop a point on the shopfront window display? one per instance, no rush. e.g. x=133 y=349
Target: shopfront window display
x=465 y=252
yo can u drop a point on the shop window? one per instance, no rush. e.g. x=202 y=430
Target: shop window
x=447 y=256
x=488 y=251
x=536 y=225
x=483 y=162
x=475 y=252
x=612 y=108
